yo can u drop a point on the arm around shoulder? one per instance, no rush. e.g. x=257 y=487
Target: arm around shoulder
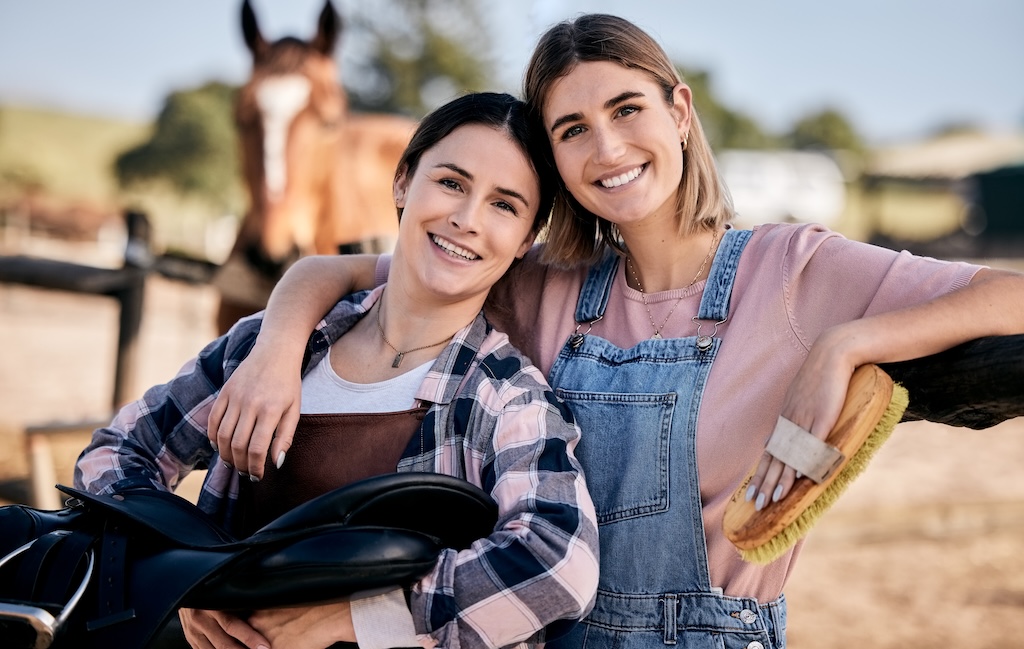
x=261 y=400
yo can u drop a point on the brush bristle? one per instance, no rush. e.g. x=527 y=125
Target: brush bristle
x=799 y=528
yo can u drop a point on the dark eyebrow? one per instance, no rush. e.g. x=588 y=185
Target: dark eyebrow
x=611 y=103
x=566 y=118
x=457 y=169
x=621 y=97
x=501 y=190
x=514 y=194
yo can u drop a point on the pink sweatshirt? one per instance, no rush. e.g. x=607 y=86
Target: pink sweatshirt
x=793 y=282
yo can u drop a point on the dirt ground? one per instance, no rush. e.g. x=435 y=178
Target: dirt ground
x=925 y=549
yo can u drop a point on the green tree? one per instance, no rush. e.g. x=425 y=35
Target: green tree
x=828 y=129
x=412 y=55
x=725 y=128
x=193 y=149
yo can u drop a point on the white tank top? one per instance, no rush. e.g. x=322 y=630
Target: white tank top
x=323 y=391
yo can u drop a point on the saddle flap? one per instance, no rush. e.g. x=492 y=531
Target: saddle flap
x=449 y=509
x=321 y=567
x=161 y=512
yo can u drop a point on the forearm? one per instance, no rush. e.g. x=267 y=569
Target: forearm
x=137 y=447
x=133 y=451
x=991 y=305
x=307 y=291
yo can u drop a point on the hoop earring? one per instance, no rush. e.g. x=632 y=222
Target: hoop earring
x=685 y=140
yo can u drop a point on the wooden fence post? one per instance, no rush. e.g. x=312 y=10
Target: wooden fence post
x=138 y=259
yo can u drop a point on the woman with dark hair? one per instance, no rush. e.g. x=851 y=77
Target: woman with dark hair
x=678 y=341
x=436 y=388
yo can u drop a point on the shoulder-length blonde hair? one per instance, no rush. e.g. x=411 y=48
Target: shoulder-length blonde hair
x=576 y=236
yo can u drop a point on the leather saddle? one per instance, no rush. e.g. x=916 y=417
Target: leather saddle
x=109 y=571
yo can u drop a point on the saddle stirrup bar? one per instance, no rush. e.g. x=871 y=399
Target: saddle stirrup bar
x=41 y=621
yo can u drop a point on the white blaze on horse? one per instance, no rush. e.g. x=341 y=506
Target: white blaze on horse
x=319 y=178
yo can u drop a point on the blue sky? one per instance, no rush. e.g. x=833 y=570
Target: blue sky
x=897 y=68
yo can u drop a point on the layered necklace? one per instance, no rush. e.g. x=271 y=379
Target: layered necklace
x=643 y=295
x=400 y=355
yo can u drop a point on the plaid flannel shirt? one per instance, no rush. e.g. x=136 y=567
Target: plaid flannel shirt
x=492 y=420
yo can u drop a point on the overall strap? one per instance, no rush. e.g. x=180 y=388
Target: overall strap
x=596 y=288
x=714 y=305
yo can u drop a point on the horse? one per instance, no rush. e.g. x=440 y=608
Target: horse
x=319 y=177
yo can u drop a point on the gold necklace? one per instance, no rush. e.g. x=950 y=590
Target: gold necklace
x=643 y=295
x=400 y=355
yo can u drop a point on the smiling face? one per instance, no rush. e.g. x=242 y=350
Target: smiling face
x=617 y=141
x=468 y=212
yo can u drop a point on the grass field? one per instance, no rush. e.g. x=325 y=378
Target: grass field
x=69 y=156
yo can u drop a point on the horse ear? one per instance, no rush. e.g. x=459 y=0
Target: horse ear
x=251 y=30
x=328 y=28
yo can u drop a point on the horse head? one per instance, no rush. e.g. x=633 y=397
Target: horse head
x=289 y=116
x=319 y=179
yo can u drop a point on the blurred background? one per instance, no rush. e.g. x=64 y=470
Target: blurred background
x=899 y=123
x=879 y=119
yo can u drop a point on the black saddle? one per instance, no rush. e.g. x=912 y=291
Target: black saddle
x=109 y=571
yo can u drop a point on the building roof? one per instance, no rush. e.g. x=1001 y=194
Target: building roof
x=949 y=157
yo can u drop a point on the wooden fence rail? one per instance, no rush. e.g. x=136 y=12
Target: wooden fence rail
x=126 y=285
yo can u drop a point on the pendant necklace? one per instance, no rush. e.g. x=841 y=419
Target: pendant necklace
x=400 y=355
x=643 y=295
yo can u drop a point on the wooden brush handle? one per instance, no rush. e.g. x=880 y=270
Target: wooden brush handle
x=867 y=399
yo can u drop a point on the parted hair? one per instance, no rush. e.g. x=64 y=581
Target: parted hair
x=576 y=236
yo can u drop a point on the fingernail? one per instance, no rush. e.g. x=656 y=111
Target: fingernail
x=263 y=646
x=253 y=478
x=799 y=475
x=280 y=459
x=751 y=490
x=777 y=494
x=759 y=505
x=241 y=474
x=226 y=465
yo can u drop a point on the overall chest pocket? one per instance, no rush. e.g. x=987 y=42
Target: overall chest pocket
x=624 y=450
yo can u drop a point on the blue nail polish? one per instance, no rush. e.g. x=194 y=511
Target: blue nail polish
x=759 y=505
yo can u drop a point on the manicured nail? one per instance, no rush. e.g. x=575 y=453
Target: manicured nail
x=253 y=478
x=280 y=459
x=751 y=490
x=799 y=475
x=777 y=494
x=759 y=505
x=226 y=465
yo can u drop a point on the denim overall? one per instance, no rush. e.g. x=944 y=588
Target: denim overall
x=638 y=409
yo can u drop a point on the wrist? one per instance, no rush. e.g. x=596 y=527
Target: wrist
x=840 y=346
x=280 y=343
